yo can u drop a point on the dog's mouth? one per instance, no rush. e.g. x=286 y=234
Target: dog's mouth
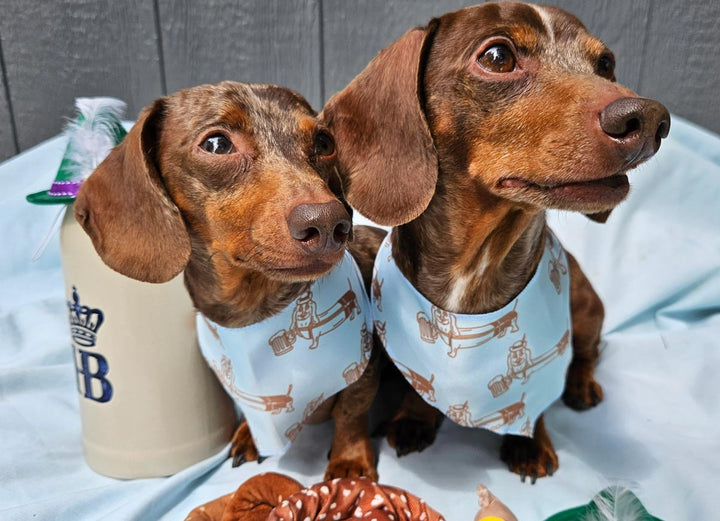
x=289 y=267
x=607 y=191
x=302 y=272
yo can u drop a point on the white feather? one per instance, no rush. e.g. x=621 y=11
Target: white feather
x=91 y=137
x=616 y=504
x=54 y=227
x=90 y=140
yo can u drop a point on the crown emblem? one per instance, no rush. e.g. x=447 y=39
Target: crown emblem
x=84 y=322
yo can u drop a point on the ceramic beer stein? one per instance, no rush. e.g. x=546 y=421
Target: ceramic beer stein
x=149 y=404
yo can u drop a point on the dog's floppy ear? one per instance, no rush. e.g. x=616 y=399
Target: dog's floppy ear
x=385 y=150
x=125 y=209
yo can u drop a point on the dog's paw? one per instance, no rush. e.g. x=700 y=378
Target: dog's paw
x=528 y=458
x=242 y=447
x=581 y=390
x=344 y=468
x=407 y=435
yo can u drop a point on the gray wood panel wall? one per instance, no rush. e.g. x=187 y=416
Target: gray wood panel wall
x=8 y=144
x=259 y=41
x=54 y=51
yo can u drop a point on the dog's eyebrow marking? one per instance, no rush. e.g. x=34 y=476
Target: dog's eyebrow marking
x=595 y=47
x=547 y=20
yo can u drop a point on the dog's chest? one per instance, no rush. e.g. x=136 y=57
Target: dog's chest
x=497 y=370
x=280 y=370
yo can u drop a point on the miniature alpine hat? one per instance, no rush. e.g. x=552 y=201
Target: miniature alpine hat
x=94 y=132
x=610 y=503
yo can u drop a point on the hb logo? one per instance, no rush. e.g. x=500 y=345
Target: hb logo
x=92 y=368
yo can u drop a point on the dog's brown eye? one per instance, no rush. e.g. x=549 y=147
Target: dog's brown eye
x=497 y=58
x=606 y=66
x=217 y=144
x=324 y=144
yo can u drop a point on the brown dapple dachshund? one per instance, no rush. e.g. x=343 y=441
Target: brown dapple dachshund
x=235 y=185
x=462 y=133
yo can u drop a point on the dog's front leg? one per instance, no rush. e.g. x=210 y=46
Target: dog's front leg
x=351 y=454
x=415 y=424
x=534 y=457
x=242 y=447
x=581 y=390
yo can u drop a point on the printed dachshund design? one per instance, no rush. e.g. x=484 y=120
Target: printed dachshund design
x=387 y=247
x=308 y=324
x=460 y=414
x=555 y=266
x=355 y=370
x=521 y=364
x=292 y=432
x=444 y=326
x=380 y=330
x=527 y=428
x=421 y=384
x=377 y=290
x=274 y=404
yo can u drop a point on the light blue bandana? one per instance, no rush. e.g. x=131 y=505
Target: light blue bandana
x=280 y=370
x=498 y=370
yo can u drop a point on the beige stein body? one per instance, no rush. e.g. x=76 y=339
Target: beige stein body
x=149 y=404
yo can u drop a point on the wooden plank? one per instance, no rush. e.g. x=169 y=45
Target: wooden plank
x=7 y=138
x=256 y=41
x=354 y=32
x=57 y=51
x=681 y=64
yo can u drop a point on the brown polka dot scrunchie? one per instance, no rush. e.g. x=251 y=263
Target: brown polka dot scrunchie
x=353 y=499
x=274 y=497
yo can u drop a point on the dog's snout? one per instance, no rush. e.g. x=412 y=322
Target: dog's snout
x=637 y=125
x=320 y=228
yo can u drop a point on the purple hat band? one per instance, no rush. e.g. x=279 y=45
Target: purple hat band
x=65 y=188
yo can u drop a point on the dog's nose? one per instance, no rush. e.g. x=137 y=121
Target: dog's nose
x=320 y=228
x=637 y=125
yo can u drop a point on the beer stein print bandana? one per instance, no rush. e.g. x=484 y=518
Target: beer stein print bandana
x=498 y=370
x=280 y=370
